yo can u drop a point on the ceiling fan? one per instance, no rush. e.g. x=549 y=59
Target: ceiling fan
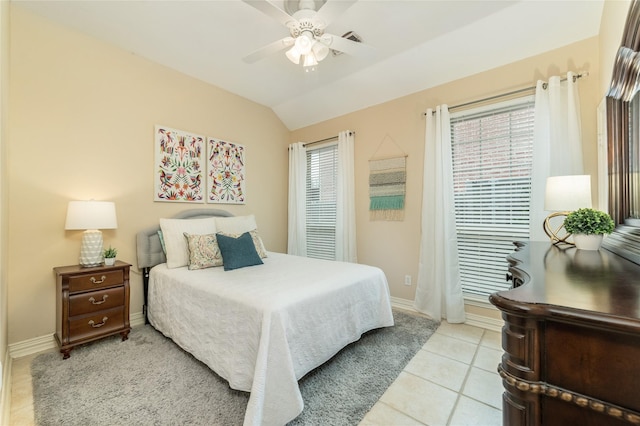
x=308 y=43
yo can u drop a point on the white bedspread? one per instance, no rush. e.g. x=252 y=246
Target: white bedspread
x=264 y=327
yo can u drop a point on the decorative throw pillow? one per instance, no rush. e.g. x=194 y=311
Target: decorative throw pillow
x=237 y=225
x=176 y=244
x=164 y=249
x=238 y=252
x=257 y=241
x=203 y=251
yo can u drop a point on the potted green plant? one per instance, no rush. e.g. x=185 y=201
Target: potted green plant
x=110 y=256
x=588 y=226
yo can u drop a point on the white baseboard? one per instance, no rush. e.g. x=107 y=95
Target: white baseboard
x=48 y=342
x=405 y=304
x=45 y=343
x=136 y=319
x=475 y=320
x=481 y=321
x=5 y=393
x=32 y=346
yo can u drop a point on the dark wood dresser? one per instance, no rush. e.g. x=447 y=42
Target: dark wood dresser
x=92 y=303
x=571 y=338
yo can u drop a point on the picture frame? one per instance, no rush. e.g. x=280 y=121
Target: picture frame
x=178 y=171
x=225 y=172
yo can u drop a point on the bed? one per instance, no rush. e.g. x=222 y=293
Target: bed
x=261 y=327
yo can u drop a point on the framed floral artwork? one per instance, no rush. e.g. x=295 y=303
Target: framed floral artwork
x=179 y=158
x=226 y=180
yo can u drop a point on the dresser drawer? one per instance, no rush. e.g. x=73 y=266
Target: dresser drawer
x=95 y=280
x=102 y=322
x=93 y=301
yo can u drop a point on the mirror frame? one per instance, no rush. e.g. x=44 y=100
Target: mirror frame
x=625 y=84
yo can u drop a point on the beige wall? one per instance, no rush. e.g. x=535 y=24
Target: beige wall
x=4 y=137
x=82 y=126
x=614 y=16
x=394 y=246
x=82 y=117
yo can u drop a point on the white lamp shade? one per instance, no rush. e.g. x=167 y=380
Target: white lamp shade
x=293 y=55
x=567 y=193
x=91 y=215
x=310 y=60
x=320 y=50
x=304 y=42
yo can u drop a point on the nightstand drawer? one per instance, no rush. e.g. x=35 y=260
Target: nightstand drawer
x=102 y=322
x=95 y=280
x=93 y=301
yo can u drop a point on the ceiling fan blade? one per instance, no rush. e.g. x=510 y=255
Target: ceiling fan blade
x=271 y=10
x=332 y=9
x=347 y=46
x=269 y=50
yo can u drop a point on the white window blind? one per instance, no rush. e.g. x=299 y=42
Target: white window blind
x=322 y=168
x=492 y=157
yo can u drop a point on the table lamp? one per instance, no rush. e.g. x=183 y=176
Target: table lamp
x=563 y=195
x=91 y=216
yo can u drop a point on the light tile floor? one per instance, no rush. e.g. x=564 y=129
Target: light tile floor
x=452 y=381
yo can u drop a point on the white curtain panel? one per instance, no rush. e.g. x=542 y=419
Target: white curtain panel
x=439 y=289
x=297 y=229
x=346 y=200
x=557 y=143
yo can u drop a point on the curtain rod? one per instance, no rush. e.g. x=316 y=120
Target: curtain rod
x=318 y=141
x=513 y=92
x=324 y=140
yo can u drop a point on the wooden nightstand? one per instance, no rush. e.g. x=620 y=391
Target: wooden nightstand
x=92 y=303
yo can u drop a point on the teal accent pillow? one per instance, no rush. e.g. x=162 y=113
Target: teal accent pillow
x=238 y=252
x=161 y=236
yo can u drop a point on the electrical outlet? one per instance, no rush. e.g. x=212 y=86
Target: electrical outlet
x=407 y=280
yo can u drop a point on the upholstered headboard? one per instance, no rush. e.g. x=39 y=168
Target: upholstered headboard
x=148 y=246
x=150 y=252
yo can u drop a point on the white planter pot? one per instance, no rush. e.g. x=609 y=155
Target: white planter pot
x=587 y=242
x=109 y=261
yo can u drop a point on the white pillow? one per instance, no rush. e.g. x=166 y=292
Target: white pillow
x=176 y=243
x=238 y=225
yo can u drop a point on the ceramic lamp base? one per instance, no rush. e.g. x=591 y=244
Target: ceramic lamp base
x=91 y=248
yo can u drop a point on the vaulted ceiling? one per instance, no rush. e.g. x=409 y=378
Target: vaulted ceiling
x=417 y=44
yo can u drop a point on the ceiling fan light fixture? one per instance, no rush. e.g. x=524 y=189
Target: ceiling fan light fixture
x=320 y=50
x=304 y=43
x=310 y=60
x=294 y=55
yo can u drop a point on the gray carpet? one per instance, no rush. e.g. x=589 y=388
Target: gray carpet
x=148 y=380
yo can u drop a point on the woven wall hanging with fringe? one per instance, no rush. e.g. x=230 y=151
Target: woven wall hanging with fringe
x=387 y=187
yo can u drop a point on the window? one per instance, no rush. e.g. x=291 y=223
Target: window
x=492 y=156
x=322 y=167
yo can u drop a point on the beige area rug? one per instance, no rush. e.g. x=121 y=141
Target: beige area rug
x=149 y=380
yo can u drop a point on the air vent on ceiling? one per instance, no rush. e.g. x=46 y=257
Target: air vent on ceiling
x=349 y=36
